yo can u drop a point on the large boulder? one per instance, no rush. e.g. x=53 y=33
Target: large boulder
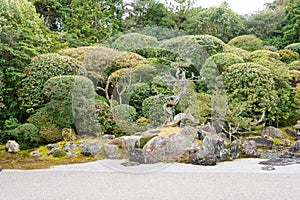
x=249 y=149
x=141 y=156
x=272 y=132
x=12 y=146
x=215 y=145
x=112 y=151
x=130 y=142
x=206 y=158
x=90 y=148
x=263 y=142
x=171 y=147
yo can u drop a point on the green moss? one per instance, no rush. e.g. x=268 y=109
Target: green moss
x=59 y=153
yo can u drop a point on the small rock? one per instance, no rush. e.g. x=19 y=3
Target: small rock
x=51 y=146
x=36 y=153
x=130 y=164
x=69 y=146
x=130 y=142
x=154 y=131
x=12 y=146
x=71 y=154
x=108 y=137
x=51 y=152
x=268 y=168
x=1 y=168
x=291 y=133
x=287 y=142
x=295 y=148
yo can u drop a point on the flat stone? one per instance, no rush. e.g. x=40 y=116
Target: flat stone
x=278 y=162
x=268 y=168
x=36 y=153
x=154 y=131
x=130 y=164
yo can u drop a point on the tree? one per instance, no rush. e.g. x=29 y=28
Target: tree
x=22 y=36
x=220 y=22
x=292 y=28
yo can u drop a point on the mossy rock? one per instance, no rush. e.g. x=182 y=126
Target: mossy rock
x=59 y=153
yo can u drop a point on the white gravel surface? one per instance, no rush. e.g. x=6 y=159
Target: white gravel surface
x=241 y=179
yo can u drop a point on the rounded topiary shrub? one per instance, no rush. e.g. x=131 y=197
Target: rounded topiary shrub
x=27 y=135
x=41 y=69
x=264 y=54
x=294 y=47
x=288 y=56
x=134 y=41
x=124 y=112
x=59 y=153
x=247 y=42
x=237 y=51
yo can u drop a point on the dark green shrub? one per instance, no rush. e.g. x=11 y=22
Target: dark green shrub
x=72 y=103
x=140 y=91
x=247 y=42
x=46 y=123
x=293 y=47
x=27 y=135
x=288 y=56
x=134 y=41
x=59 y=153
x=41 y=69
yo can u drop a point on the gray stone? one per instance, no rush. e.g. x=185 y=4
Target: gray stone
x=215 y=145
x=291 y=133
x=205 y=158
x=36 y=153
x=69 y=146
x=183 y=116
x=154 y=131
x=235 y=149
x=189 y=131
x=268 y=168
x=295 y=148
x=263 y=142
x=51 y=151
x=130 y=143
x=130 y=164
x=112 y=151
x=1 y=168
x=90 y=149
x=12 y=146
x=278 y=162
x=224 y=154
x=109 y=137
x=141 y=156
x=171 y=147
x=71 y=154
x=272 y=132
x=267 y=155
x=249 y=148
x=51 y=146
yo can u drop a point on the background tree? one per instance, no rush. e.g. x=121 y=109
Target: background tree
x=292 y=28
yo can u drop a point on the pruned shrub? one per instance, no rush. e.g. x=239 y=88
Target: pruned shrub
x=72 y=100
x=293 y=47
x=59 y=153
x=46 y=123
x=294 y=65
x=41 y=69
x=134 y=41
x=264 y=54
x=288 y=56
x=247 y=42
x=245 y=55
